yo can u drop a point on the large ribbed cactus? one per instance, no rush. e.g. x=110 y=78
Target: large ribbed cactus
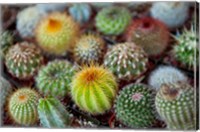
x=52 y=113
x=6 y=39
x=176 y=105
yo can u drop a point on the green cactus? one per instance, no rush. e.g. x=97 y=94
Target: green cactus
x=175 y=104
x=6 y=39
x=134 y=106
x=126 y=60
x=52 y=113
x=55 y=78
x=22 y=106
x=112 y=20
x=93 y=89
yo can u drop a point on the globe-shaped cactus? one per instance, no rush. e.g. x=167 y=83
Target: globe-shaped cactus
x=51 y=7
x=151 y=34
x=134 y=106
x=126 y=61
x=93 y=89
x=113 y=20
x=23 y=60
x=55 y=78
x=22 y=106
x=57 y=33
x=175 y=103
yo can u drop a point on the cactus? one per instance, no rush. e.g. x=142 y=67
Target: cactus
x=113 y=20
x=57 y=33
x=126 y=61
x=186 y=51
x=134 y=106
x=175 y=104
x=23 y=60
x=22 y=106
x=151 y=34
x=173 y=14
x=165 y=74
x=27 y=19
x=51 y=7
x=55 y=78
x=6 y=39
x=52 y=113
x=80 y=12
x=93 y=89
x=89 y=48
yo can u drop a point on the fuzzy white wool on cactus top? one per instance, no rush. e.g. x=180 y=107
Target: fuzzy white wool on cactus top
x=165 y=74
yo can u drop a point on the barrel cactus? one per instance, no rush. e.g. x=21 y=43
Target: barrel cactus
x=80 y=12
x=22 y=106
x=27 y=19
x=134 y=106
x=51 y=7
x=126 y=61
x=57 y=33
x=113 y=20
x=89 y=48
x=173 y=14
x=23 y=60
x=55 y=78
x=6 y=39
x=166 y=74
x=52 y=113
x=93 y=89
x=175 y=103
x=151 y=34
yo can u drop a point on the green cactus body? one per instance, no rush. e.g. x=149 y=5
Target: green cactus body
x=134 y=106
x=52 y=113
x=55 y=78
x=127 y=61
x=23 y=60
x=89 y=48
x=22 y=106
x=175 y=104
x=6 y=39
x=93 y=89
x=113 y=20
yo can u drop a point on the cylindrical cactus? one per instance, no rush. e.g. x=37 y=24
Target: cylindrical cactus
x=134 y=106
x=93 y=89
x=151 y=34
x=166 y=74
x=126 y=61
x=80 y=12
x=55 y=78
x=175 y=103
x=52 y=113
x=51 y=7
x=89 y=48
x=57 y=33
x=22 y=106
x=173 y=14
x=23 y=60
x=113 y=20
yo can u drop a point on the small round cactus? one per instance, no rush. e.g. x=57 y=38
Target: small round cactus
x=165 y=74
x=89 y=48
x=51 y=7
x=27 y=19
x=175 y=104
x=6 y=39
x=22 y=106
x=186 y=51
x=55 y=78
x=151 y=34
x=173 y=14
x=80 y=12
x=126 y=61
x=52 y=113
x=93 y=89
x=134 y=106
x=113 y=20
x=23 y=60
x=57 y=33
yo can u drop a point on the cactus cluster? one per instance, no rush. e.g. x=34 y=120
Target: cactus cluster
x=126 y=61
x=23 y=60
x=51 y=7
x=6 y=39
